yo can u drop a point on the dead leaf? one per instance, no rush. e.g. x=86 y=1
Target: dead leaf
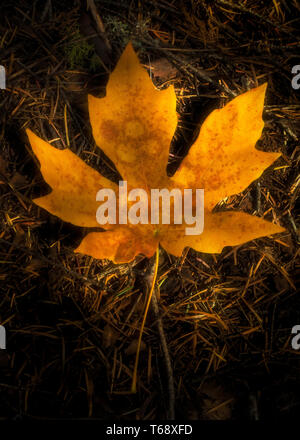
x=18 y=180
x=216 y=402
x=163 y=69
x=134 y=124
x=35 y=265
x=132 y=348
x=110 y=336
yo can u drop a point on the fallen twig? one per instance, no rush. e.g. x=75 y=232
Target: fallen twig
x=167 y=358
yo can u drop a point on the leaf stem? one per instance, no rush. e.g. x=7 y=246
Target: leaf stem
x=134 y=376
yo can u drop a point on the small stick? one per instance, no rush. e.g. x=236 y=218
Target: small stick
x=253 y=407
x=47 y=10
x=150 y=280
x=100 y=26
x=168 y=364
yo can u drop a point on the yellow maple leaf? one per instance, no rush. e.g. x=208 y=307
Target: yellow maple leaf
x=134 y=125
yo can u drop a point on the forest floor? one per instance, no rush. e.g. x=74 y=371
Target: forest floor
x=73 y=322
